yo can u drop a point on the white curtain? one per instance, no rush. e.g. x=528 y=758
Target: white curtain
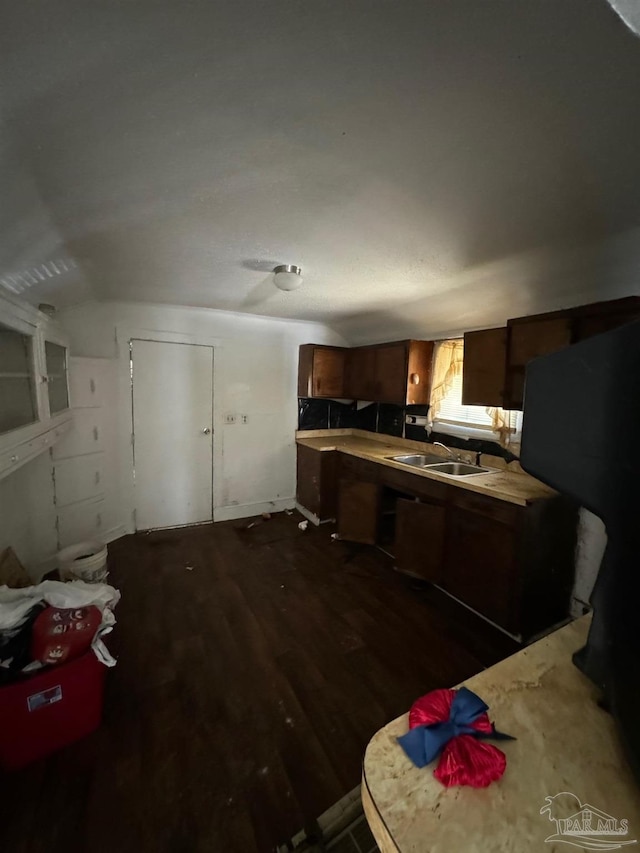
x=447 y=364
x=505 y=424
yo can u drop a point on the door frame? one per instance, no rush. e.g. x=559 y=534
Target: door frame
x=124 y=336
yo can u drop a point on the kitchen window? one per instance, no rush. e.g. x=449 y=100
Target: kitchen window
x=447 y=414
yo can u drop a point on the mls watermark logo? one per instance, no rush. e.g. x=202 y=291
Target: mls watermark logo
x=582 y=825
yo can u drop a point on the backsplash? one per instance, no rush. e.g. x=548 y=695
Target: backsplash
x=326 y=414
x=387 y=419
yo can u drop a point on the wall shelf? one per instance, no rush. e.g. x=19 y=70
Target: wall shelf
x=34 y=400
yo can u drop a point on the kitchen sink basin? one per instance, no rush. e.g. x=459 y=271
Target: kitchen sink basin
x=417 y=460
x=458 y=469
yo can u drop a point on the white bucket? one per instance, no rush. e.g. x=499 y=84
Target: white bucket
x=86 y=561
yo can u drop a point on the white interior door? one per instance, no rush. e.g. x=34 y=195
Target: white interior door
x=173 y=433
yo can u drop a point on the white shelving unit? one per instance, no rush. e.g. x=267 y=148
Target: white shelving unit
x=81 y=472
x=34 y=384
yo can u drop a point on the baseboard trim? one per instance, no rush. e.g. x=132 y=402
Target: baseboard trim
x=230 y=513
x=310 y=516
x=114 y=533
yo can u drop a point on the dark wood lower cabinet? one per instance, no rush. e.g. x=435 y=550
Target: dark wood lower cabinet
x=481 y=565
x=512 y=564
x=420 y=535
x=358 y=511
x=317 y=484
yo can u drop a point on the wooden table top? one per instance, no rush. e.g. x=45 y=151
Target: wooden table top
x=565 y=743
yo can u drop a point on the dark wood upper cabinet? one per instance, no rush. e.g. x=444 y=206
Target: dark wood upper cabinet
x=398 y=372
x=495 y=365
x=592 y=320
x=527 y=339
x=321 y=371
x=391 y=373
x=419 y=369
x=495 y=360
x=420 y=537
x=530 y=337
x=361 y=373
x=483 y=376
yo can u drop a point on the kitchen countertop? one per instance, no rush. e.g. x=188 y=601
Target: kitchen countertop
x=565 y=743
x=507 y=484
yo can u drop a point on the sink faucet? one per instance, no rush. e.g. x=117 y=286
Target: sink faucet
x=453 y=455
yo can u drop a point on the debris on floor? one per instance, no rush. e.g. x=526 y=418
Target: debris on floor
x=265 y=516
x=303 y=525
x=266 y=529
x=335 y=536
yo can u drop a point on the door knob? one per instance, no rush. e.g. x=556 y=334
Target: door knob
x=206 y=430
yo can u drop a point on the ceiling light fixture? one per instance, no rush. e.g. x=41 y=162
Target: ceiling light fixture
x=287 y=277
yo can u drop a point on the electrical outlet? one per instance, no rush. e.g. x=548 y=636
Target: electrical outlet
x=244 y=419
x=229 y=419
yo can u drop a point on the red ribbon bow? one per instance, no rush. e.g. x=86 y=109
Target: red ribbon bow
x=465 y=760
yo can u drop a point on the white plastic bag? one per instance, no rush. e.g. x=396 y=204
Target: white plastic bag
x=16 y=603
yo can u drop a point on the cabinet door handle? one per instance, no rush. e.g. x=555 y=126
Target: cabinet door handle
x=92 y=386
x=95 y=433
x=97 y=477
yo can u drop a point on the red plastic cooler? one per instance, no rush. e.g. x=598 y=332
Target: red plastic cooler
x=50 y=710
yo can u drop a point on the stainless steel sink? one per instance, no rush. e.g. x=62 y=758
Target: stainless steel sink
x=458 y=469
x=417 y=460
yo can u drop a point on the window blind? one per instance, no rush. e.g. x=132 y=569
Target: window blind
x=452 y=411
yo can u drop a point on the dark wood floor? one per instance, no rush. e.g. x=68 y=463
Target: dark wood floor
x=246 y=691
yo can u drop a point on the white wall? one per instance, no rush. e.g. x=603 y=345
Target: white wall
x=592 y=540
x=255 y=373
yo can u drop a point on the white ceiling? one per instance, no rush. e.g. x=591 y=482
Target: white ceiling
x=431 y=164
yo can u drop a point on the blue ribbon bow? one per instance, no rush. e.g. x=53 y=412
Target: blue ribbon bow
x=424 y=743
